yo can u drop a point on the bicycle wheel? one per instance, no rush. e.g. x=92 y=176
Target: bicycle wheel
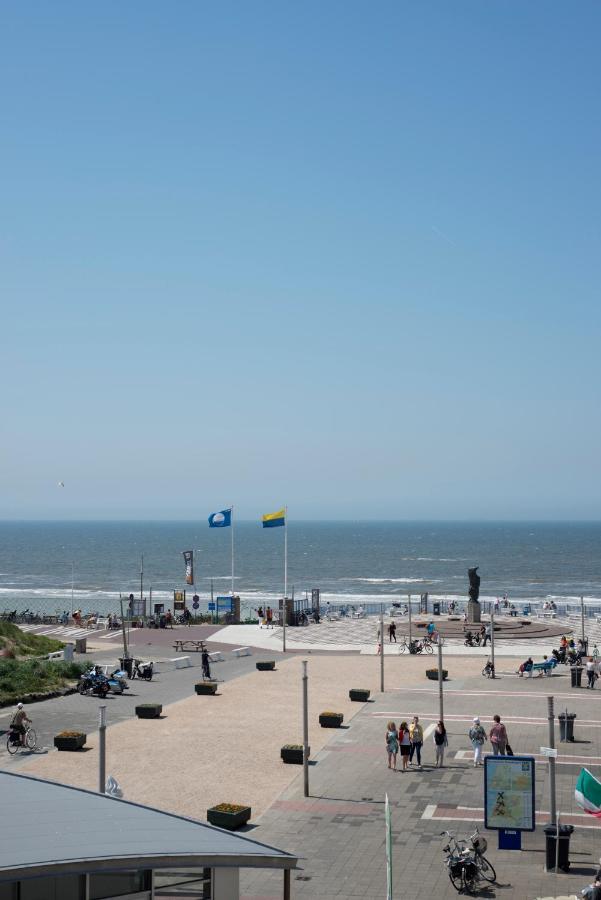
x=12 y=748
x=428 y=648
x=486 y=869
x=402 y=647
x=31 y=739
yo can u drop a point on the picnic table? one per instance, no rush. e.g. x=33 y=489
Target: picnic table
x=189 y=645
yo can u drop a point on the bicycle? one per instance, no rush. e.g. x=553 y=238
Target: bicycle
x=462 y=868
x=479 y=846
x=13 y=741
x=415 y=646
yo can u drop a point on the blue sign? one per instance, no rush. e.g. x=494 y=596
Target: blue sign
x=224 y=602
x=195 y=604
x=211 y=606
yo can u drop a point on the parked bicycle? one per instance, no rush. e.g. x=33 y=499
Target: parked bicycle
x=467 y=865
x=13 y=741
x=414 y=646
x=489 y=670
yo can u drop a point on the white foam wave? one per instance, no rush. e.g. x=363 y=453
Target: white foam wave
x=396 y=580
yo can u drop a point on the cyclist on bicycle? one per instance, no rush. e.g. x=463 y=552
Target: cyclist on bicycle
x=18 y=722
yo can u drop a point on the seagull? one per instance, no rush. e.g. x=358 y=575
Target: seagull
x=61 y=484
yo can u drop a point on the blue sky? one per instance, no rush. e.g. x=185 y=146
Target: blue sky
x=336 y=255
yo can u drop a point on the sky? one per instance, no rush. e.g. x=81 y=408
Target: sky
x=339 y=256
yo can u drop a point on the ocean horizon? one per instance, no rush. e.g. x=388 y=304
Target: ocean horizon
x=354 y=561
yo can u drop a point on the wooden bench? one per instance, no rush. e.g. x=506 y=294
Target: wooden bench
x=189 y=645
x=242 y=651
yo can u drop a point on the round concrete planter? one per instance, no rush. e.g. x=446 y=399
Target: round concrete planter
x=228 y=818
x=71 y=742
x=205 y=687
x=359 y=695
x=331 y=720
x=149 y=710
x=266 y=666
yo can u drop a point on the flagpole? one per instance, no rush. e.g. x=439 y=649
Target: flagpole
x=232 y=521
x=285 y=551
x=285 y=601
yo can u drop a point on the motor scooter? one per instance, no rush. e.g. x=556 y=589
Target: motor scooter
x=143 y=670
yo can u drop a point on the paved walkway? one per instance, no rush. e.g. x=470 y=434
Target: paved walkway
x=340 y=828
x=226 y=748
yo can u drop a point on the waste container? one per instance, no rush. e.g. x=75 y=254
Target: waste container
x=566 y=726
x=436 y=608
x=81 y=645
x=127 y=664
x=576 y=675
x=68 y=652
x=551 y=856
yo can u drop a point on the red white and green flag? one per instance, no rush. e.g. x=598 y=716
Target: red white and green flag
x=588 y=793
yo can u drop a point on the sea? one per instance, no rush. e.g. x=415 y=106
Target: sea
x=47 y=566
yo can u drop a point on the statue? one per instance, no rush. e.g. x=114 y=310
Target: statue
x=474 y=578
x=474 y=593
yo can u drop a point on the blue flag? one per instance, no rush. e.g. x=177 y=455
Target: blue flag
x=220 y=519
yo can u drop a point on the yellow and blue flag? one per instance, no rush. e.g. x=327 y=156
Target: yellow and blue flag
x=274 y=519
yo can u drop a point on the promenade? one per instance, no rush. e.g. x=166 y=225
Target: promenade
x=226 y=748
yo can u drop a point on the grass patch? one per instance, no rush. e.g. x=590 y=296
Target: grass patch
x=24 y=643
x=19 y=677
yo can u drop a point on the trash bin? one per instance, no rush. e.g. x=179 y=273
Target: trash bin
x=127 y=664
x=576 y=675
x=436 y=608
x=81 y=645
x=68 y=652
x=551 y=855
x=566 y=726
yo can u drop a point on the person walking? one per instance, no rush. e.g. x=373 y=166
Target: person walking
x=440 y=742
x=404 y=745
x=206 y=667
x=498 y=737
x=591 y=672
x=392 y=632
x=392 y=744
x=416 y=736
x=477 y=736
x=379 y=641
x=269 y=617
x=485 y=634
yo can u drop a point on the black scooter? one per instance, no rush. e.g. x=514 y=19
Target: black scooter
x=143 y=670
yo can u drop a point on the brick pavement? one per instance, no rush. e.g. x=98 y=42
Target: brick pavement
x=340 y=832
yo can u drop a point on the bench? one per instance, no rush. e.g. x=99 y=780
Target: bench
x=242 y=651
x=546 y=615
x=216 y=656
x=189 y=645
x=544 y=668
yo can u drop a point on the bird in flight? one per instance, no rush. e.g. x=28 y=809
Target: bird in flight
x=61 y=484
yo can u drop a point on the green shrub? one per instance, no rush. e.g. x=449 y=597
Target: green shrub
x=33 y=676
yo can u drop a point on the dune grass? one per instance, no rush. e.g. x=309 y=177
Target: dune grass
x=24 y=643
x=19 y=677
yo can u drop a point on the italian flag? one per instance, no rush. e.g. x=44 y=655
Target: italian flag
x=588 y=793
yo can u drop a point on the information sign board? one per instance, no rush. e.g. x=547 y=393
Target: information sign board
x=224 y=602
x=509 y=792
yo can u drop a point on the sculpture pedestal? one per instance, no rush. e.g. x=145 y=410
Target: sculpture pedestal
x=473 y=611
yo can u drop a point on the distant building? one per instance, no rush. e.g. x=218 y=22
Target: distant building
x=64 y=843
